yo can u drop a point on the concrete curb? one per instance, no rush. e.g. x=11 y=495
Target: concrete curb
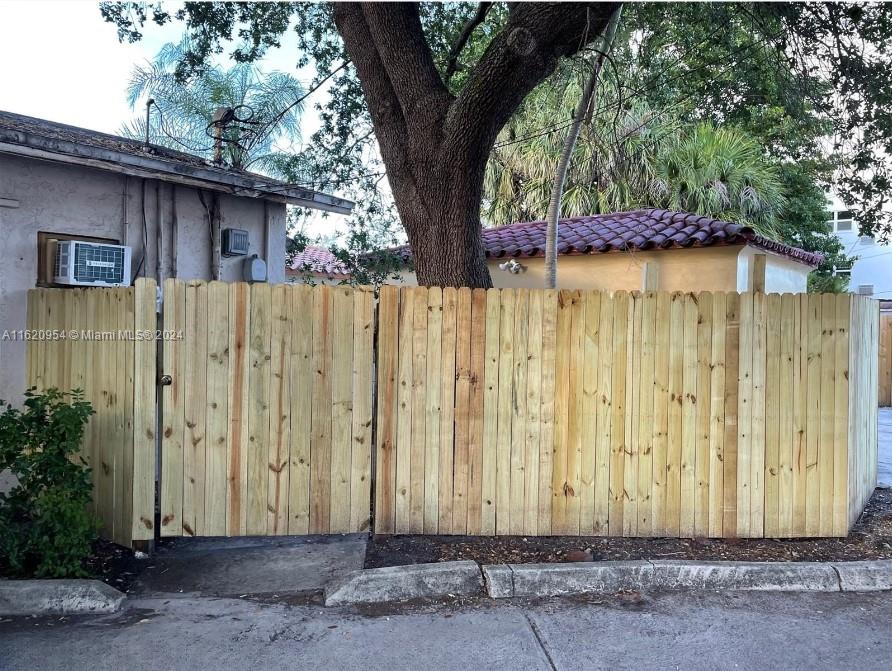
x=864 y=576
x=405 y=583
x=58 y=597
x=745 y=576
x=502 y=581
x=540 y=580
x=510 y=580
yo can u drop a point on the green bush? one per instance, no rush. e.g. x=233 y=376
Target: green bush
x=46 y=527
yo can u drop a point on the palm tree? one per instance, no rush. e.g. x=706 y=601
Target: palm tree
x=720 y=172
x=636 y=158
x=267 y=107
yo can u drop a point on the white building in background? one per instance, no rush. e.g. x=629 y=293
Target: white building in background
x=871 y=274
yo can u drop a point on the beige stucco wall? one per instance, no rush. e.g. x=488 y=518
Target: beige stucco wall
x=74 y=200
x=701 y=269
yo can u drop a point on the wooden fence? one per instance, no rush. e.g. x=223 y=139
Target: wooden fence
x=267 y=422
x=534 y=412
x=102 y=341
x=507 y=411
x=862 y=377
x=885 y=367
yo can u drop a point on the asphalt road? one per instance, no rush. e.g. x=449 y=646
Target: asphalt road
x=665 y=631
x=162 y=628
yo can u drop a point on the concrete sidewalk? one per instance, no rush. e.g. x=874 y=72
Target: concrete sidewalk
x=665 y=631
x=250 y=565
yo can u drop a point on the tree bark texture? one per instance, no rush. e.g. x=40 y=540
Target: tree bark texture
x=436 y=145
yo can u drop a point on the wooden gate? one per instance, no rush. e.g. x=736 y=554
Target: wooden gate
x=564 y=412
x=267 y=420
x=102 y=341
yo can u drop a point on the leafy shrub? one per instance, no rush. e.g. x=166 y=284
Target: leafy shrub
x=46 y=527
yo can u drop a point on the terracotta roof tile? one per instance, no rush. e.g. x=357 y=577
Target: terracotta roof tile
x=317 y=260
x=627 y=231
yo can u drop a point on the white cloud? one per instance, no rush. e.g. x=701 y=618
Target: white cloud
x=63 y=62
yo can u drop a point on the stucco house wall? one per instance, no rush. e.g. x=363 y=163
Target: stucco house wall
x=782 y=274
x=38 y=195
x=696 y=269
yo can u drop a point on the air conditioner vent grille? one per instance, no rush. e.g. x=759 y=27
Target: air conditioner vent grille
x=98 y=263
x=79 y=262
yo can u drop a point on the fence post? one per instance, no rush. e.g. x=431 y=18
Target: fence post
x=757 y=273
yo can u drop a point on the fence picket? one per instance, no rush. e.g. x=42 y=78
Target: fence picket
x=342 y=409
x=489 y=485
x=194 y=445
x=631 y=446
x=432 y=409
x=476 y=446
x=302 y=387
x=388 y=370
x=217 y=410
x=772 y=441
x=238 y=443
x=588 y=395
x=703 y=405
x=361 y=467
x=418 y=399
x=618 y=437
x=173 y=404
x=518 y=410
x=813 y=418
x=321 y=439
x=447 y=414
x=602 y=445
x=546 y=435
x=460 y=457
x=501 y=411
x=503 y=437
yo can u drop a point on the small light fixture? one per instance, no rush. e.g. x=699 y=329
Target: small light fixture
x=512 y=267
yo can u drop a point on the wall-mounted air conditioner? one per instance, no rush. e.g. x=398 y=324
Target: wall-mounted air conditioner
x=84 y=263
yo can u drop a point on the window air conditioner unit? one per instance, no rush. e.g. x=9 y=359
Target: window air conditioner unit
x=82 y=263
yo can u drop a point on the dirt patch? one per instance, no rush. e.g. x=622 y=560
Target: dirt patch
x=871 y=538
x=115 y=565
x=112 y=564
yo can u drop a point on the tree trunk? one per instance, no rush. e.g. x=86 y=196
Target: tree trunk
x=446 y=236
x=436 y=145
x=557 y=190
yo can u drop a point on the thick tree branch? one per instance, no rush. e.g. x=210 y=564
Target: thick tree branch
x=521 y=56
x=387 y=114
x=396 y=30
x=478 y=18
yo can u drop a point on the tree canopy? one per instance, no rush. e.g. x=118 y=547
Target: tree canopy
x=807 y=81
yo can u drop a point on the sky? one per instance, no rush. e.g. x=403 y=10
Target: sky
x=61 y=61
x=70 y=67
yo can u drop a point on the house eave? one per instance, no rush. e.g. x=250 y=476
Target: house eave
x=30 y=145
